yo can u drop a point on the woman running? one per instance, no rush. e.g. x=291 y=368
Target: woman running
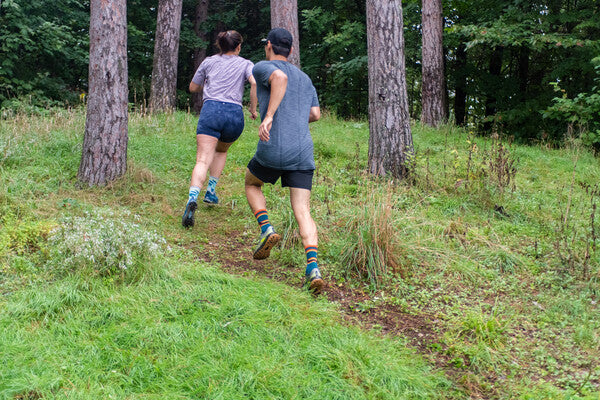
x=221 y=78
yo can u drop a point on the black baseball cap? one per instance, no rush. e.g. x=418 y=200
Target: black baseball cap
x=280 y=37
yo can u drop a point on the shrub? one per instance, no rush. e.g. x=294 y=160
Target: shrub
x=102 y=243
x=21 y=238
x=581 y=113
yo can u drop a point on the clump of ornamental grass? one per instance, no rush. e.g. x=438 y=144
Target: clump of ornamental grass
x=371 y=250
x=106 y=244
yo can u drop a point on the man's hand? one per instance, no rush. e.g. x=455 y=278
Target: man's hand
x=253 y=114
x=278 y=81
x=265 y=128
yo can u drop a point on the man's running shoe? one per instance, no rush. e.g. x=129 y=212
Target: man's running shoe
x=211 y=198
x=267 y=240
x=188 y=216
x=315 y=282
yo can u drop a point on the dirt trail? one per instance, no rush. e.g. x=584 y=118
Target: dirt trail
x=419 y=330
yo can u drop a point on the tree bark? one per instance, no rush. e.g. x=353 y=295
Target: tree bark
x=433 y=110
x=104 y=155
x=200 y=52
x=166 y=49
x=284 y=14
x=390 y=137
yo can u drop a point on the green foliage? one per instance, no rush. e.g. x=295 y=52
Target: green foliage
x=44 y=53
x=22 y=248
x=335 y=54
x=581 y=114
x=537 y=43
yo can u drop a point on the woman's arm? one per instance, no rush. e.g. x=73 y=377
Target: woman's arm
x=253 y=97
x=195 y=88
x=315 y=114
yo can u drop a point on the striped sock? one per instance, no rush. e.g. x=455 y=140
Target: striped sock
x=311 y=258
x=263 y=220
x=212 y=184
x=194 y=192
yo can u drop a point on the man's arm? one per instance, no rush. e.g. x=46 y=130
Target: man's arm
x=315 y=114
x=278 y=81
x=253 y=97
x=195 y=88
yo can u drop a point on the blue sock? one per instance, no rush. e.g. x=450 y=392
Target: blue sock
x=212 y=184
x=311 y=259
x=194 y=192
x=263 y=220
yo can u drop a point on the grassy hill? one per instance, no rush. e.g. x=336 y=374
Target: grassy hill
x=477 y=277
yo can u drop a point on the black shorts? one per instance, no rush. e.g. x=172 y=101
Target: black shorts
x=301 y=179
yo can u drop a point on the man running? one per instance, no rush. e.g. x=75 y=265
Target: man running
x=288 y=102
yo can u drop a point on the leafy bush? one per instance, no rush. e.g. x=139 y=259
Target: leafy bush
x=581 y=113
x=22 y=244
x=102 y=243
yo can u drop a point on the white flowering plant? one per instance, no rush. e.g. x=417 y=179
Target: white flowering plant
x=104 y=243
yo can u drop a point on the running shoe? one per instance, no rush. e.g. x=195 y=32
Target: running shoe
x=188 y=216
x=267 y=240
x=314 y=281
x=211 y=198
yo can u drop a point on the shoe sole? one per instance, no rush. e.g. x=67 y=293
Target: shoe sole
x=210 y=203
x=265 y=250
x=316 y=286
x=188 y=217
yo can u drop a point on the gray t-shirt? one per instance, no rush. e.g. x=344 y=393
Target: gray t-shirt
x=223 y=77
x=290 y=146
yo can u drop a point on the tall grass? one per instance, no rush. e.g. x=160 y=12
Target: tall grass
x=372 y=249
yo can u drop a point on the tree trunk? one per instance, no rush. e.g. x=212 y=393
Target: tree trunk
x=460 y=85
x=104 y=155
x=200 y=52
x=166 y=49
x=390 y=138
x=433 y=90
x=284 y=14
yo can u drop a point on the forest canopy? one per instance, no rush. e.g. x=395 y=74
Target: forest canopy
x=528 y=69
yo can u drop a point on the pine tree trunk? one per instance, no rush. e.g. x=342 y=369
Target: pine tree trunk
x=104 y=155
x=200 y=52
x=433 y=90
x=390 y=139
x=284 y=14
x=166 y=49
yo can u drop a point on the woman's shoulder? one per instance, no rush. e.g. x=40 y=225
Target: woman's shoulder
x=210 y=60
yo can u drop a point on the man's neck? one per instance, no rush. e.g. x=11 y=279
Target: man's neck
x=277 y=57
